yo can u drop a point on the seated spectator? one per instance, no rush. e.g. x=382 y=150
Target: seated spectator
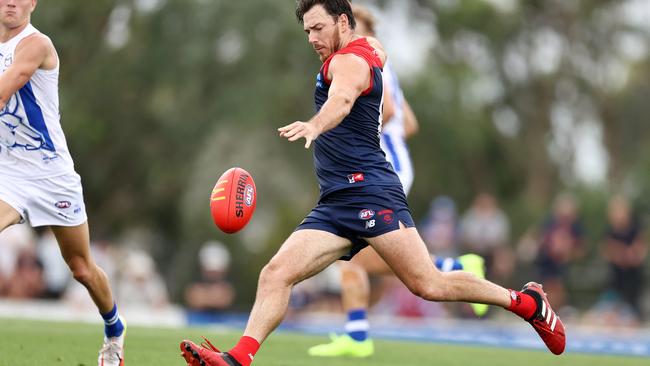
x=13 y=240
x=139 y=284
x=56 y=273
x=625 y=249
x=320 y=293
x=440 y=227
x=27 y=280
x=561 y=242
x=485 y=230
x=212 y=291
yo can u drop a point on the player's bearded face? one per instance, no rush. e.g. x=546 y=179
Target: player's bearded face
x=14 y=13
x=323 y=31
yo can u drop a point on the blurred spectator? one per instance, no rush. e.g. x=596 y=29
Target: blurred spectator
x=19 y=267
x=485 y=230
x=27 y=280
x=139 y=284
x=561 y=242
x=440 y=228
x=625 y=249
x=320 y=293
x=212 y=291
x=56 y=273
x=13 y=240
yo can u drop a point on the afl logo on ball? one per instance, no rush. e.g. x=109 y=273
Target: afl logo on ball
x=249 y=194
x=63 y=204
x=366 y=214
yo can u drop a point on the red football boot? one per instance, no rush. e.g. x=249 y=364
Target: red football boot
x=205 y=355
x=546 y=323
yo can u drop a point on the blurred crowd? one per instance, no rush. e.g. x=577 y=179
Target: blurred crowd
x=608 y=273
x=31 y=267
x=557 y=252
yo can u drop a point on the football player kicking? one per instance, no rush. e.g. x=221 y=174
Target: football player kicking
x=399 y=124
x=355 y=178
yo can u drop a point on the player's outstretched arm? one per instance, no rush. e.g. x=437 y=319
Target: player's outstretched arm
x=31 y=54
x=350 y=76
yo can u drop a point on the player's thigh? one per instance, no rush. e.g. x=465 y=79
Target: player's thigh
x=370 y=261
x=74 y=241
x=306 y=253
x=8 y=215
x=407 y=256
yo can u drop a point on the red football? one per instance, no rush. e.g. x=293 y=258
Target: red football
x=233 y=200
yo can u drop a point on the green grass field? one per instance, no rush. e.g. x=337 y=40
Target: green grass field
x=51 y=344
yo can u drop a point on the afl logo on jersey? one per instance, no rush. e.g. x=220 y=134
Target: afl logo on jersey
x=63 y=204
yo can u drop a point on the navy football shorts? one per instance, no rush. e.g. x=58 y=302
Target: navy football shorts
x=360 y=212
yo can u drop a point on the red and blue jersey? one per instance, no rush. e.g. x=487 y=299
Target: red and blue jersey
x=350 y=155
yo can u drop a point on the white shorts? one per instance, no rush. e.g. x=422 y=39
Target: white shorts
x=54 y=201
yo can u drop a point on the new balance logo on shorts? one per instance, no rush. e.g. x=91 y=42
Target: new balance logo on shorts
x=371 y=217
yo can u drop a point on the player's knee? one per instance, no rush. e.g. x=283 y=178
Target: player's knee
x=273 y=275
x=81 y=270
x=82 y=274
x=430 y=291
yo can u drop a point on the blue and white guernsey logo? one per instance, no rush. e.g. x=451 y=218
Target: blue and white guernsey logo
x=17 y=133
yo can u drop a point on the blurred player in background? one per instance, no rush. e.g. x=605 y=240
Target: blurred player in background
x=38 y=183
x=399 y=124
x=362 y=201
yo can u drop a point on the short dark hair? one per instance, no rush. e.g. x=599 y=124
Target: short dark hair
x=333 y=7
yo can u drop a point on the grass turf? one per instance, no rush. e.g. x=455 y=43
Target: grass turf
x=51 y=344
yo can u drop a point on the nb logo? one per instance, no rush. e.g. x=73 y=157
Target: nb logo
x=370 y=224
